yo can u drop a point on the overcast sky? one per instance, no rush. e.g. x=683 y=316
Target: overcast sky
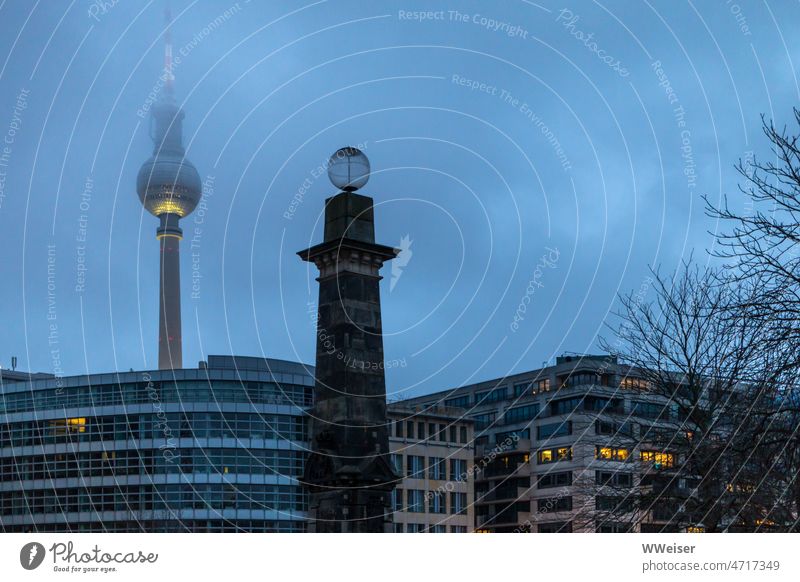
x=536 y=158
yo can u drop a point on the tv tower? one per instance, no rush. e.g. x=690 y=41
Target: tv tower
x=169 y=187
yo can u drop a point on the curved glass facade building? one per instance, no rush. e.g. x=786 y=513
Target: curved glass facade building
x=217 y=448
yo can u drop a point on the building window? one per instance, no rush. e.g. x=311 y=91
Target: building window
x=458 y=503
x=650 y=410
x=613 y=479
x=415 y=527
x=433 y=434
x=556 y=429
x=611 y=527
x=542 y=385
x=416 y=501
x=397 y=462
x=549 y=504
x=398 y=428
x=610 y=428
x=458 y=402
x=555 y=527
x=506 y=439
x=546 y=456
x=660 y=460
x=410 y=429
x=583 y=379
x=421 y=431
x=521 y=413
x=415 y=466
x=565 y=406
x=65 y=426
x=453 y=433
x=458 y=469
x=463 y=435
x=397 y=499
x=596 y=404
x=613 y=504
x=611 y=453
x=437 y=528
x=487 y=396
x=458 y=529
x=437 y=469
x=550 y=480
x=483 y=421
x=436 y=502
x=632 y=383
x=398 y=527
x=520 y=389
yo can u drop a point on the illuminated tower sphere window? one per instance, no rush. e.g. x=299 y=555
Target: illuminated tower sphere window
x=348 y=169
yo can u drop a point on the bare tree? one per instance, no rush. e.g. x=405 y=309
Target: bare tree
x=707 y=375
x=761 y=244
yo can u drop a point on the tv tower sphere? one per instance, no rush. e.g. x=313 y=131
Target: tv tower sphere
x=168 y=183
x=348 y=169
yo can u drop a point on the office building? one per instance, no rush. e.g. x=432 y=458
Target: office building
x=433 y=453
x=217 y=448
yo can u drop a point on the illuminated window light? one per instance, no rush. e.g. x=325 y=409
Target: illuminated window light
x=77 y=424
x=659 y=459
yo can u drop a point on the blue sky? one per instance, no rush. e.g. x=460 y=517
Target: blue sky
x=541 y=155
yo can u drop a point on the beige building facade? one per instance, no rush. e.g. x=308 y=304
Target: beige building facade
x=434 y=453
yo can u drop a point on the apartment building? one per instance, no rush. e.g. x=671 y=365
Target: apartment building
x=559 y=449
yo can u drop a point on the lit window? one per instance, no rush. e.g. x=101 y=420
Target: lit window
x=76 y=424
x=542 y=385
x=659 y=459
x=552 y=455
x=67 y=426
x=634 y=383
x=611 y=453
